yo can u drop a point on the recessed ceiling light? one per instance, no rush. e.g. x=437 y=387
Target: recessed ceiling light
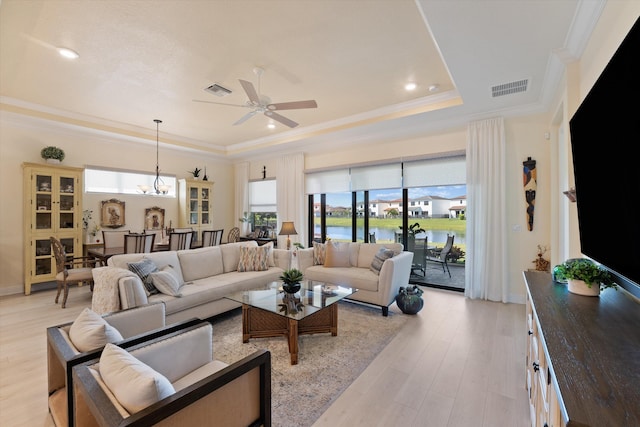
x=410 y=86
x=434 y=88
x=271 y=126
x=68 y=53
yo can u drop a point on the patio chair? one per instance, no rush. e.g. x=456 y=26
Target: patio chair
x=440 y=257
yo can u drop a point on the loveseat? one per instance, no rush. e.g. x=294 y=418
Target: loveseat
x=377 y=270
x=206 y=275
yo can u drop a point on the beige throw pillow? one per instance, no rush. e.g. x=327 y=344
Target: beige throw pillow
x=318 y=253
x=253 y=259
x=134 y=384
x=167 y=281
x=336 y=254
x=90 y=331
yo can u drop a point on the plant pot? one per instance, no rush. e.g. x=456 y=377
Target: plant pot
x=579 y=287
x=53 y=161
x=409 y=304
x=291 y=288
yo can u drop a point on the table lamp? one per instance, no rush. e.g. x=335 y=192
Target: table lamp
x=287 y=230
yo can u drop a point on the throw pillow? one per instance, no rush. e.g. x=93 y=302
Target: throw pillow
x=318 y=253
x=381 y=256
x=143 y=269
x=134 y=384
x=270 y=256
x=253 y=259
x=336 y=254
x=90 y=331
x=167 y=281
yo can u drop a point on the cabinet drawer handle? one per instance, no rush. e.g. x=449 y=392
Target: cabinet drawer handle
x=536 y=366
x=529 y=332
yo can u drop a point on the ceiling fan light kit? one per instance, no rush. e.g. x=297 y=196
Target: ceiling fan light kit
x=259 y=103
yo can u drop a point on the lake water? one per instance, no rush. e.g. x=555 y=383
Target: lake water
x=389 y=235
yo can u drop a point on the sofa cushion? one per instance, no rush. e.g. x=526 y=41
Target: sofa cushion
x=143 y=269
x=199 y=263
x=253 y=259
x=354 y=277
x=161 y=258
x=380 y=257
x=231 y=254
x=134 y=384
x=90 y=331
x=318 y=253
x=167 y=281
x=336 y=254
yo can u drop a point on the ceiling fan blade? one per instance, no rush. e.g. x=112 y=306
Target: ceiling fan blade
x=281 y=119
x=294 y=105
x=245 y=117
x=222 y=103
x=251 y=91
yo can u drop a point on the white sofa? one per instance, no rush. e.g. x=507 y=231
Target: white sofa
x=209 y=274
x=377 y=289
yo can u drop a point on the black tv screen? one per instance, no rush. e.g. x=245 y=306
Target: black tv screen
x=605 y=131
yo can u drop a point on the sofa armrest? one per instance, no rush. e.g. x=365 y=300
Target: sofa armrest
x=131 y=293
x=239 y=394
x=395 y=272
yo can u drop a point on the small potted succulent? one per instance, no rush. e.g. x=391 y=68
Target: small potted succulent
x=291 y=279
x=409 y=299
x=582 y=274
x=52 y=154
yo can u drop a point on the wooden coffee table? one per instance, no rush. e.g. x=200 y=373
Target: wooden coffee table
x=270 y=312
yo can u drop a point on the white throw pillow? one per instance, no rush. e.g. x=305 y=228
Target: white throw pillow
x=134 y=384
x=90 y=331
x=167 y=281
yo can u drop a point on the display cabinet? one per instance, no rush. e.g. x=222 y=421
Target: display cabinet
x=52 y=207
x=195 y=205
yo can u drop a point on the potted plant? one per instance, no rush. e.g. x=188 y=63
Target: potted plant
x=195 y=173
x=582 y=274
x=409 y=299
x=411 y=235
x=291 y=279
x=52 y=154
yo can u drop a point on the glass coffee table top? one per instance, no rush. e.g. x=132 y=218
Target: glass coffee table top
x=312 y=297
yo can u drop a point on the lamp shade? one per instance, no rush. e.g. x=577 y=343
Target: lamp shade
x=287 y=229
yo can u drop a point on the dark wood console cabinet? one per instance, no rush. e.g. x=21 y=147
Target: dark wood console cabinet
x=583 y=356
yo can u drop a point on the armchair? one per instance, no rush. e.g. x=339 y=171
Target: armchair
x=200 y=389
x=135 y=325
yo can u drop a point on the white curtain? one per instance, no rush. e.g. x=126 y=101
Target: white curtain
x=242 y=194
x=486 y=275
x=290 y=196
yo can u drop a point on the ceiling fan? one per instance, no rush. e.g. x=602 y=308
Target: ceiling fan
x=259 y=103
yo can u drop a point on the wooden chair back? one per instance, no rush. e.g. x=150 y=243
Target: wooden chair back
x=138 y=243
x=180 y=240
x=212 y=237
x=114 y=238
x=234 y=235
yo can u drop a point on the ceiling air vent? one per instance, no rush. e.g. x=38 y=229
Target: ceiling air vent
x=510 y=88
x=218 y=90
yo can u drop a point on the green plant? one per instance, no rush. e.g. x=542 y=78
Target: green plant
x=298 y=245
x=245 y=217
x=456 y=253
x=52 y=153
x=587 y=271
x=411 y=293
x=414 y=229
x=195 y=172
x=291 y=276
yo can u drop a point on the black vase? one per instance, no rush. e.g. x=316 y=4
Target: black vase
x=291 y=288
x=409 y=304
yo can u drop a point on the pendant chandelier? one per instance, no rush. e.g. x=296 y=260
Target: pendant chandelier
x=159 y=187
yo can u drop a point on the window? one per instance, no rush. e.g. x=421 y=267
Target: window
x=263 y=207
x=118 y=181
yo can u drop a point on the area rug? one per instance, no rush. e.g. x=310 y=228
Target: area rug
x=326 y=366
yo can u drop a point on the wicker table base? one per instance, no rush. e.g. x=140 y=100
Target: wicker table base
x=258 y=323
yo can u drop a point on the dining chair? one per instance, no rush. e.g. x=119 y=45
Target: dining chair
x=440 y=257
x=70 y=270
x=138 y=243
x=234 y=235
x=113 y=238
x=180 y=240
x=211 y=237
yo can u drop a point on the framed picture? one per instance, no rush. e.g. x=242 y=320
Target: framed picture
x=154 y=218
x=112 y=213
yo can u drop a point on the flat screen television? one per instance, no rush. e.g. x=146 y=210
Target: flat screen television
x=605 y=132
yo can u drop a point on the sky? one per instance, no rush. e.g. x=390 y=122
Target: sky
x=344 y=199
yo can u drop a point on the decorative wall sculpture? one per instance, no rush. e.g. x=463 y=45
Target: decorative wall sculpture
x=530 y=181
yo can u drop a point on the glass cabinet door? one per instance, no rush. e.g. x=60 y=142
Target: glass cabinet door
x=193 y=205
x=66 y=202
x=43 y=196
x=44 y=262
x=205 y=206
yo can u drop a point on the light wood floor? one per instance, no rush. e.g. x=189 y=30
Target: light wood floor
x=458 y=362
